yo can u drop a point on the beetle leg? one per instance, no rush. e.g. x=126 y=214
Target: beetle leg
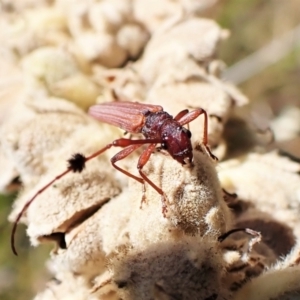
x=189 y=117
x=122 y=154
x=123 y=143
x=141 y=163
x=130 y=146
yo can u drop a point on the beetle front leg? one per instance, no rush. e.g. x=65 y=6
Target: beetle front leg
x=145 y=156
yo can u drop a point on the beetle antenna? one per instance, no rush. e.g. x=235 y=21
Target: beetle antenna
x=75 y=164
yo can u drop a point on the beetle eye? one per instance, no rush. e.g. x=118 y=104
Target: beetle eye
x=189 y=134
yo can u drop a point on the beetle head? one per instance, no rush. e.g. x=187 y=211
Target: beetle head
x=177 y=141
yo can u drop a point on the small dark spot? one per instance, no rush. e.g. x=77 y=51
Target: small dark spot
x=77 y=162
x=57 y=237
x=297 y=261
x=16 y=180
x=110 y=78
x=56 y=281
x=7 y=7
x=289 y=155
x=62 y=242
x=164 y=146
x=121 y=284
x=146 y=112
x=219 y=119
x=186 y=131
x=212 y=297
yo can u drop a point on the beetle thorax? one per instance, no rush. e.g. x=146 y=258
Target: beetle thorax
x=154 y=123
x=173 y=137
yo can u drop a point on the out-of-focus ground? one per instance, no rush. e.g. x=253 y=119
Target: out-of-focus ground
x=253 y=25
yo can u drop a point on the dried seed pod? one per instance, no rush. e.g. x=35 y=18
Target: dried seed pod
x=175 y=44
x=132 y=38
x=49 y=65
x=102 y=48
x=37 y=130
x=258 y=178
x=67 y=286
x=278 y=282
x=196 y=203
x=197 y=215
x=79 y=89
x=170 y=270
x=280 y=285
x=8 y=182
x=71 y=201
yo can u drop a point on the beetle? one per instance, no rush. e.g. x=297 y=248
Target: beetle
x=156 y=125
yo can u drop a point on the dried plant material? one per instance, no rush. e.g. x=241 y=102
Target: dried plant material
x=105 y=32
x=71 y=200
x=174 y=45
x=113 y=13
x=49 y=65
x=21 y=142
x=32 y=29
x=112 y=240
x=60 y=126
x=7 y=178
x=258 y=178
x=101 y=48
x=286 y=125
x=79 y=89
x=11 y=83
x=165 y=270
x=155 y=15
x=193 y=214
x=284 y=274
x=283 y=285
x=121 y=84
x=20 y=5
x=277 y=237
x=246 y=258
x=66 y=286
x=195 y=203
x=132 y=38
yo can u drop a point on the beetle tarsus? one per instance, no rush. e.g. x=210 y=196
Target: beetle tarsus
x=143 y=197
x=212 y=156
x=164 y=208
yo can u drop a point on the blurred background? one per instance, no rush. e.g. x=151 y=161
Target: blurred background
x=255 y=25
x=272 y=83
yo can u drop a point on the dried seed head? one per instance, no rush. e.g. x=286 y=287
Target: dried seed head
x=168 y=269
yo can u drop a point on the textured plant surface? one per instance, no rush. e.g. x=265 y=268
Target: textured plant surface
x=59 y=58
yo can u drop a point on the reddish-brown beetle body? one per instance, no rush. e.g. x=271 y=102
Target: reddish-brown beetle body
x=152 y=122
x=157 y=126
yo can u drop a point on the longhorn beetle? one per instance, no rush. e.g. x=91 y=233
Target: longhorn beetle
x=157 y=126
